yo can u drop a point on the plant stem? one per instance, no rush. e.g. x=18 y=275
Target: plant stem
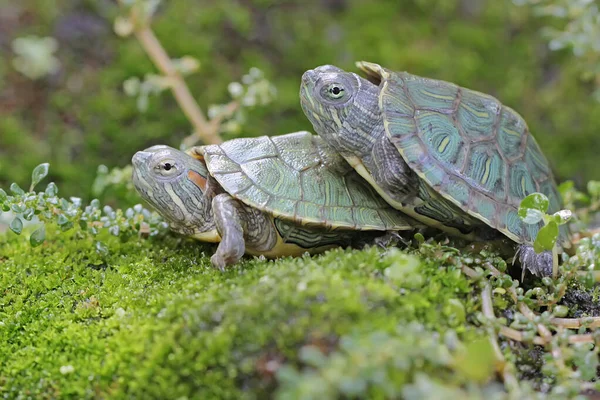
x=505 y=368
x=207 y=132
x=554 y=261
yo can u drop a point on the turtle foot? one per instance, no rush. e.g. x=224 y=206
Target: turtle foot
x=222 y=261
x=391 y=238
x=539 y=264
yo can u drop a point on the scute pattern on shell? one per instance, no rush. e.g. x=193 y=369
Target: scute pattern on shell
x=470 y=148
x=299 y=178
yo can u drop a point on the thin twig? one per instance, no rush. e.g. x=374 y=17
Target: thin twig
x=470 y=272
x=206 y=131
x=586 y=338
x=576 y=323
x=215 y=123
x=519 y=336
x=506 y=369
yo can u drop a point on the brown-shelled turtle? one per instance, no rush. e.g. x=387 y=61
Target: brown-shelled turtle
x=450 y=157
x=271 y=196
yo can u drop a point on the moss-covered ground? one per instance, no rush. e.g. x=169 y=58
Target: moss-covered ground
x=81 y=117
x=150 y=318
x=153 y=319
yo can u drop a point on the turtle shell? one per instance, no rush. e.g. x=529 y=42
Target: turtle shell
x=474 y=151
x=297 y=177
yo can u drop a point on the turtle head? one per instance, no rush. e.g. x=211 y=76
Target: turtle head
x=175 y=184
x=328 y=94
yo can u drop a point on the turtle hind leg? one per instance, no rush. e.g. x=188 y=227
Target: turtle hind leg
x=539 y=264
x=391 y=239
x=382 y=239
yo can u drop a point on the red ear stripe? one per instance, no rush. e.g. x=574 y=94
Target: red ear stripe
x=198 y=179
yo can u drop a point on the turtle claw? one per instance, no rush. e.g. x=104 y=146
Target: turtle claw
x=219 y=262
x=539 y=264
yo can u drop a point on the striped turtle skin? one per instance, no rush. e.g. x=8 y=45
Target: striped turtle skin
x=279 y=196
x=462 y=150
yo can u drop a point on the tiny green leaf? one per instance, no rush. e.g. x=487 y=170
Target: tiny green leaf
x=16 y=225
x=477 y=361
x=530 y=215
x=3 y=196
x=419 y=238
x=18 y=208
x=62 y=220
x=560 y=311
x=565 y=187
x=28 y=214
x=537 y=201
x=38 y=236
x=563 y=216
x=16 y=189
x=546 y=238
x=533 y=208
x=101 y=248
x=68 y=225
x=51 y=189
x=39 y=173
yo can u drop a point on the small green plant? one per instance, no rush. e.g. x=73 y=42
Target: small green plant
x=584 y=204
x=254 y=89
x=35 y=56
x=45 y=207
x=532 y=210
x=579 y=31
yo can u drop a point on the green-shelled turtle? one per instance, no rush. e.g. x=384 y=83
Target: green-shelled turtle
x=450 y=157
x=271 y=196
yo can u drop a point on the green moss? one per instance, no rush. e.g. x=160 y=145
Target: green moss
x=83 y=118
x=155 y=320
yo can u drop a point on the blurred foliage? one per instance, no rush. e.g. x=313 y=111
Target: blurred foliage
x=578 y=29
x=80 y=116
x=35 y=56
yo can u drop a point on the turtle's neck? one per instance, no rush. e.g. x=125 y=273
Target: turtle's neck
x=363 y=126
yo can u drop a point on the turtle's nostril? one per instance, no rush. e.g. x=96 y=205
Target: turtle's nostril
x=309 y=76
x=140 y=158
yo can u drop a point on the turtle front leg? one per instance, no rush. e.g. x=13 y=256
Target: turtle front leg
x=241 y=228
x=538 y=264
x=228 y=214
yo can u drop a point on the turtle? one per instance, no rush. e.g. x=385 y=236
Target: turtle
x=450 y=157
x=273 y=196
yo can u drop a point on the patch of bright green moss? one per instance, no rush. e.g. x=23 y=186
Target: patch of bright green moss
x=154 y=320
x=491 y=46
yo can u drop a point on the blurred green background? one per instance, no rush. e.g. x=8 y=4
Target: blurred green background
x=79 y=117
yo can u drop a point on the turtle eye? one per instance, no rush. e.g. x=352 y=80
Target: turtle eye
x=166 y=168
x=334 y=91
